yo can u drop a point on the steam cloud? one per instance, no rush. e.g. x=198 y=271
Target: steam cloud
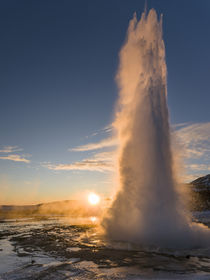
x=147 y=208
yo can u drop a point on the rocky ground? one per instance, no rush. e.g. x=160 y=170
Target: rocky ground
x=58 y=250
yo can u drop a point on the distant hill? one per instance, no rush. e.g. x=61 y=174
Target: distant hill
x=202 y=182
x=71 y=208
x=200 y=193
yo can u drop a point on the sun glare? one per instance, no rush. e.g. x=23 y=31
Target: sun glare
x=93 y=219
x=93 y=198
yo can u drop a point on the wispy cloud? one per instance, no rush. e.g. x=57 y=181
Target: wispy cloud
x=89 y=165
x=187 y=178
x=199 y=167
x=194 y=171
x=104 y=143
x=101 y=162
x=10 y=149
x=15 y=158
x=195 y=139
x=107 y=129
x=178 y=125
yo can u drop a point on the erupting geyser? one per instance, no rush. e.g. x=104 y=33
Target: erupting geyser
x=147 y=209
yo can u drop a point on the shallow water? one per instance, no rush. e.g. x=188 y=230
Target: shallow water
x=73 y=249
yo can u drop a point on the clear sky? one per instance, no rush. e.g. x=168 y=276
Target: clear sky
x=58 y=64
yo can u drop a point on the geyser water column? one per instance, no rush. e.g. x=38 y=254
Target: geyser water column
x=147 y=208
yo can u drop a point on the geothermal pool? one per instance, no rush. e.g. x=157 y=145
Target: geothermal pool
x=73 y=249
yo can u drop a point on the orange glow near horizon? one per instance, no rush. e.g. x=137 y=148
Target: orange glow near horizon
x=93 y=199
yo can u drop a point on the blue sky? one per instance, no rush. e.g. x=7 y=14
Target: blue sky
x=58 y=91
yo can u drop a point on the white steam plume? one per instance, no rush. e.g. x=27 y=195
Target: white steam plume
x=146 y=209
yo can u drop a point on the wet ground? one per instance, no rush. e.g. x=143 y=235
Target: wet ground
x=73 y=249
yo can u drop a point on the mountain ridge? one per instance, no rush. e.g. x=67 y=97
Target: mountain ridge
x=203 y=181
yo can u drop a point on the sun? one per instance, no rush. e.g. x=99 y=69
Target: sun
x=93 y=198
